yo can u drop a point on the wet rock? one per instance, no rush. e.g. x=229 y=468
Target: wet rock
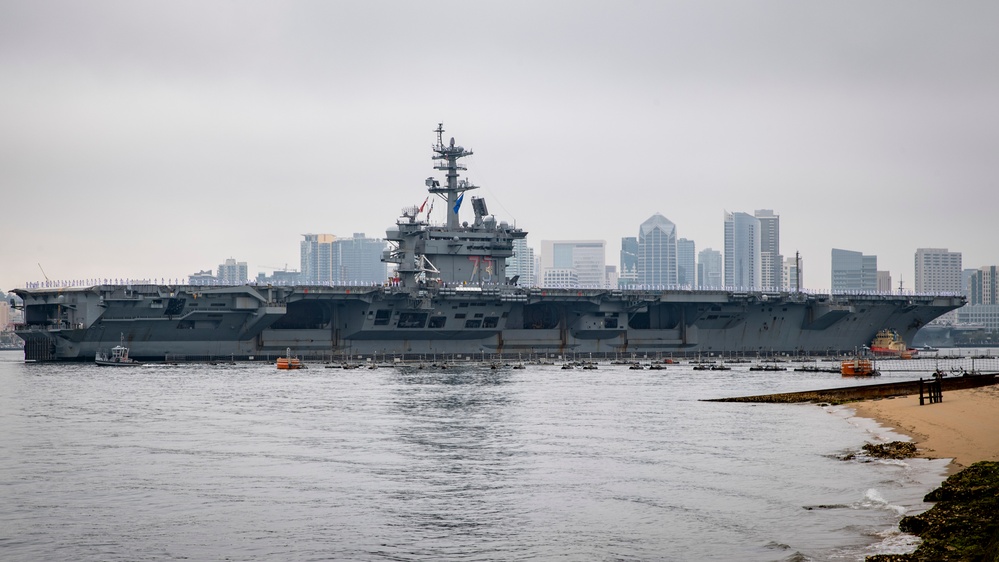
x=964 y=523
x=893 y=450
x=827 y=506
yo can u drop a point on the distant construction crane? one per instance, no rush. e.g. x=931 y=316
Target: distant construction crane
x=276 y=268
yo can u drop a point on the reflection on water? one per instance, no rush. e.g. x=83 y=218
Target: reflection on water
x=245 y=462
x=456 y=441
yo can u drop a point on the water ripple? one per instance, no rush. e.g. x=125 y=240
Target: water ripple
x=242 y=462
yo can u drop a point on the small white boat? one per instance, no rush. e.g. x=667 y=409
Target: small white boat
x=117 y=358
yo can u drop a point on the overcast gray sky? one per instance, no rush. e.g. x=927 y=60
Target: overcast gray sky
x=154 y=139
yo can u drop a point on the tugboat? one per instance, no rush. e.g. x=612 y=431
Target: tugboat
x=888 y=342
x=117 y=358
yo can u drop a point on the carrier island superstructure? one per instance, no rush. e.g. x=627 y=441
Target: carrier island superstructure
x=451 y=296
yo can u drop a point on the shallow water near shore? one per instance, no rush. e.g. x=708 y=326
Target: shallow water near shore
x=244 y=462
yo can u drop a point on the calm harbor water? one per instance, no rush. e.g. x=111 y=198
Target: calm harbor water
x=243 y=462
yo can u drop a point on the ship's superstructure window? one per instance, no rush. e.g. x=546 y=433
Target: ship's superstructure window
x=437 y=321
x=382 y=317
x=174 y=307
x=490 y=322
x=412 y=319
x=473 y=323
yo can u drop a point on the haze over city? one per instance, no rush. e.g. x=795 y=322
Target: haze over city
x=155 y=140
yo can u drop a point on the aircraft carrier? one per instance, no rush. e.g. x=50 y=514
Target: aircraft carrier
x=451 y=296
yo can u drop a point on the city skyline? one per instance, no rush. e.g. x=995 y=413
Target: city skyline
x=128 y=152
x=847 y=272
x=851 y=270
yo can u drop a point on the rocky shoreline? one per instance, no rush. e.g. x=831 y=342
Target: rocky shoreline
x=964 y=523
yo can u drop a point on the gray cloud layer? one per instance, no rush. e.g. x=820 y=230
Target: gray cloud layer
x=155 y=139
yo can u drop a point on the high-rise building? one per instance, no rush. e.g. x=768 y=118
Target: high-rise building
x=232 y=272
x=853 y=271
x=771 y=261
x=657 y=263
x=686 y=268
x=884 y=282
x=629 y=261
x=203 y=277
x=794 y=275
x=610 y=274
x=317 y=259
x=586 y=257
x=983 y=286
x=983 y=300
x=565 y=278
x=358 y=260
x=279 y=277
x=4 y=315
x=743 y=267
x=938 y=271
x=966 y=280
x=709 y=269
x=521 y=264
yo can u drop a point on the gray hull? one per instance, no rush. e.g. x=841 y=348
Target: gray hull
x=247 y=322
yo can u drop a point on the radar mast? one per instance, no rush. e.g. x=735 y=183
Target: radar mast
x=447 y=161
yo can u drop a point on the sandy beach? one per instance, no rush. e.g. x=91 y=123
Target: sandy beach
x=964 y=427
